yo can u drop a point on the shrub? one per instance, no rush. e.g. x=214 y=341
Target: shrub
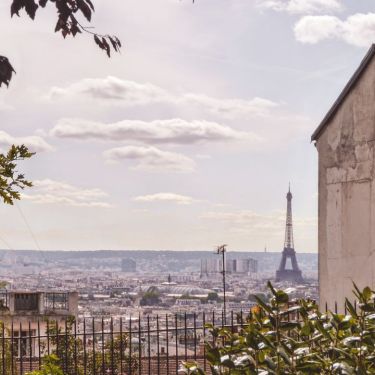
x=282 y=339
x=50 y=366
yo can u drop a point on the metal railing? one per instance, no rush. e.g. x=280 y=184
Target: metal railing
x=152 y=345
x=30 y=301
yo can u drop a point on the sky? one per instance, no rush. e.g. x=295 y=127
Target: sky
x=186 y=140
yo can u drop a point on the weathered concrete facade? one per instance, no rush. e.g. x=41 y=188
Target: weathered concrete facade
x=345 y=141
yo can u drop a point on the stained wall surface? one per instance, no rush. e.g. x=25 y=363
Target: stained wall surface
x=347 y=195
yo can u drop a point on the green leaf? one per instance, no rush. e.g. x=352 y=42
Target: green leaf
x=281 y=297
x=310 y=367
x=213 y=356
x=287 y=326
x=270 y=363
x=263 y=305
x=367 y=293
x=351 y=308
x=284 y=356
x=271 y=288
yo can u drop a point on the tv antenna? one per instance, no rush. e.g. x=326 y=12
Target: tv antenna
x=222 y=250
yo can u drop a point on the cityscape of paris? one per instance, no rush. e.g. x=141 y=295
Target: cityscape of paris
x=187 y=187
x=114 y=282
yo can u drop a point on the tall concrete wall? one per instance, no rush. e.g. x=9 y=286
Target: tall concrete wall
x=347 y=195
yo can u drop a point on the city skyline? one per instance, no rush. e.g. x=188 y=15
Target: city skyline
x=189 y=137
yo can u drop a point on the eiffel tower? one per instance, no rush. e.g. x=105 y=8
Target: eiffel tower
x=284 y=274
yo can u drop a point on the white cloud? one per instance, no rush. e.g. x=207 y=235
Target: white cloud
x=174 y=131
x=301 y=6
x=203 y=156
x=248 y=217
x=34 y=142
x=151 y=158
x=358 y=29
x=233 y=107
x=56 y=192
x=112 y=88
x=124 y=92
x=268 y=122
x=249 y=220
x=312 y=29
x=165 y=197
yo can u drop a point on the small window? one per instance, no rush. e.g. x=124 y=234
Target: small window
x=26 y=302
x=56 y=301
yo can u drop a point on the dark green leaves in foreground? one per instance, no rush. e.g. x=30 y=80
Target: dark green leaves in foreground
x=280 y=337
x=71 y=18
x=11 y=182
x=68 y=19
x=6 y=71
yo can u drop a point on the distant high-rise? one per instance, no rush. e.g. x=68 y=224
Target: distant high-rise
x=128 y=265
x=232 y=266
x=284 y=273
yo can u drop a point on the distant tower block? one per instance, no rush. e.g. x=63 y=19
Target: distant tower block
x=128 y=265
x=294 y=274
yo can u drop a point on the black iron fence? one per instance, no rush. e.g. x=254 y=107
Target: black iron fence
x=151 y=345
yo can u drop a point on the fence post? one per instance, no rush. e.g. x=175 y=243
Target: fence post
x=103 y=340
x=213 y=325
x=57 y=337
x=204 y=341
x=195 y=337
x=139 y=345
x=148 y=345
x=3 y=347
x=39 y=354
x=30 y=349
x=12 y=346
x=112 y=348
x=158 y=342
x=185 y=334
x=122 y=346
x=75 y=349
x=130 y=345
x=84 y=347
x=20 y=348
x=66 y=347
x=93 y=346
x=176 y=331
x=48 y=349
x=167 y=341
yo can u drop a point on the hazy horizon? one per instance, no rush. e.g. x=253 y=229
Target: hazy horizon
x=150 y=250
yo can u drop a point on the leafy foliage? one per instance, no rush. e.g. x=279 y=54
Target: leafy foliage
x=50 y=366
x=7 y=350
x=10 y=181
x=68 y=23
x=77 y=356
x=151 y=297
x=67 y=348
x=299 y=339
x=109 y=361
x=213 y=296
x=6 y=71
